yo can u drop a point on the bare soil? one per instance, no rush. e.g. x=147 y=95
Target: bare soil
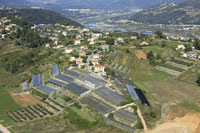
x=25 y=99
x=141 y=55
x=175 y=123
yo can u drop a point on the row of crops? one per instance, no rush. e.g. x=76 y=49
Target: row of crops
x=171 y=67
x=181 y=62
x=29 y=113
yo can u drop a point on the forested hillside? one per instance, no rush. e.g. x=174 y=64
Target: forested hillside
x=39 y=16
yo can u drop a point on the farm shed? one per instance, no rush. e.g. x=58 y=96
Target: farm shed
x=36 y=80
x=97 y=104
x=46 y=89
x=126 y=117
x=132 y=92
x=56 y=69
x=56 y=82
x=120 y=125
x=73 y=73
x=142 y=97
x=25 y=86
x=90 y=81
x=117 y=81
x=64 y=78
x=110 y=96
x=77 y=89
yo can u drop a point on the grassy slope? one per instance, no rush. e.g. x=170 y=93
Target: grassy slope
x=82 y=114
x=6 y=101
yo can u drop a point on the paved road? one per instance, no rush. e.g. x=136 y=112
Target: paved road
x=3 y=129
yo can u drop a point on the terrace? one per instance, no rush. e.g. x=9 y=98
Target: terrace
x=109 y=95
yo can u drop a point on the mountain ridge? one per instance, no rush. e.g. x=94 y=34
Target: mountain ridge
x=187 y=12
x=38 y=16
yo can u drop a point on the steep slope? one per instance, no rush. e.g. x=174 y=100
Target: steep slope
x=187 y=12
x=39 y=16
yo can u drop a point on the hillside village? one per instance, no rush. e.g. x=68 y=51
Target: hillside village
x=88 y=77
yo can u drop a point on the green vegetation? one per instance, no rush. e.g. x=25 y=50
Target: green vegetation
x=139 y=125
x=188 y=47
x=6 y=101
x=47 y=75
x=66 y=98
x=111 y=115
x=5 y=120
x=110 y=41
x=82 y=114
x=134 y=108
x=160 y=35
x=40 y=94
x=6 y=77
x=197 y=44
x=39 y=16
x=56 y=103
x=19 y=60
x=198 y=80
x=181 y=62
x=189 y=106
x=171 y=67
x=128 y=100
x=79 y=118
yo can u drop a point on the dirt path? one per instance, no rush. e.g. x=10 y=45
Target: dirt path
x=142 y=120
x=3 y=129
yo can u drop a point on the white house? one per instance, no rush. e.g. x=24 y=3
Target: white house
x=72 y=59
x=97 y=35
x=144 y=43
x=77 y=42
x=180 y=47
x=96 y=56
x=64 y=33
x=68 y=50
x=120 y=39
x=99 y=68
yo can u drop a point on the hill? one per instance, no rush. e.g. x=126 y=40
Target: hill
x=187 y=12
x=105 y=4
x=39 y=16
x=15 y=3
